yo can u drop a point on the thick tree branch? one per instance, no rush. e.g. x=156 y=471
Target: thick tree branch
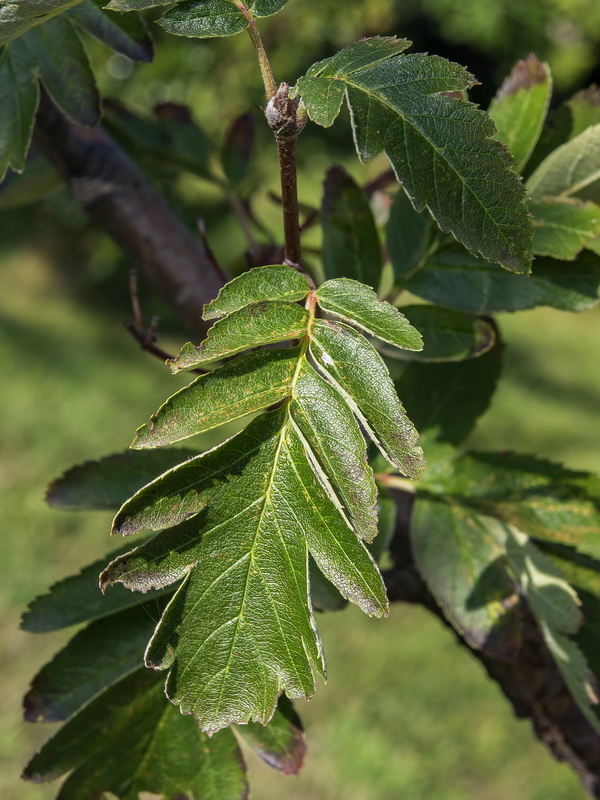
x=120 y=199
x=531 y=680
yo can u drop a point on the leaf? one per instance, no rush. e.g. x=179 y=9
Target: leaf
x=253 y=326
x=238 y=149
x=520 y=107
x=281 y=744
x=447 y=335
x=446 y=400
x=166 y=752
x=563 y=227
x=456 y=279
x=555 y=606
x=258 y=285
x=572 y=170
x=345 y=358
x=94 y=659
x=351 y=245
x=398 y=107
x=250 y=383
x=408 y=234
x=465 y=568
x=207 y=18
x=357 y=304
x=77 y=599
x=16 y=18
x=19 y=97
x=244 y=607
x=136 y=5
x=387 y=516
x=107 y=483
x=124 y=34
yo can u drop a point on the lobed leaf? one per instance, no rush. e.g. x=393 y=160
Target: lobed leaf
x=572 y=170
x=252 y=326
x=399 y=105
x=520 y=107
x=563 y=227
x=351 y=245
x=357 y=304
x=255 y=286
x=345 y=358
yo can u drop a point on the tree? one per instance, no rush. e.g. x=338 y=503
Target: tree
x=291 y=512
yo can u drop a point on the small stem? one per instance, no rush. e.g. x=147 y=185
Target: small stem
x=289 y=196
x=263 y=59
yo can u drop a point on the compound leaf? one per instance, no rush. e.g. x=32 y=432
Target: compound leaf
x=258 y=285
x=563 y=226
x=351 y=246
x=357 y=304
x=398 y=106
x=520 y=107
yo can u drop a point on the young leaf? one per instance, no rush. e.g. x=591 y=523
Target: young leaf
x=19 y=97
x=250 y=383
x=573 y=170
x=351 y=245
x=345 y=358
x=256 y=286
x=125 y=34
x=563 y=227
x=447 y=335
x=407 y=233
x=520 y=107
x=466 y=570
x=398 y=106
x=253 y=326
x=281 y=744
x=167 y=754
x=357 y=304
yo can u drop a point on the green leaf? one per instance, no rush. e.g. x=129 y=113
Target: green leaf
x=19 y=97
x=447 y=335
x=281 y=744
x=357 y=304
x=465 y=568
x=256 y=286
x=454 y=278
x=345 y=358
x=204 y=19
x=408 y=233
x=330 y=428
x=387 y=518
x=77 y=599
x=136 y=5
x=125 y=34
x=555 y=606
x=351 y=245
x=17 y=17
x=563 y=227
x=398 y=106
x=250 y=383
x=166 y=752
x=244 y=607
x=94 y=659
x=323 y=594
x=520 y=107
x=253 y=326
x=266 y=8
x=107 y=483
x=572 y=170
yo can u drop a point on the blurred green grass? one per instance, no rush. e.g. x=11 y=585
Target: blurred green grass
x=406 y=713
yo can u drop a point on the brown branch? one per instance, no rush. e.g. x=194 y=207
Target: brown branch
x=530 y=679
x=120 y=199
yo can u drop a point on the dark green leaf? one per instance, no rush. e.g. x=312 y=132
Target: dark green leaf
x=136 y=5
x=265 y=8
x=520 y=107
x=19 y=97
x=399 y=107
x=166 y=752
x=573 y=170
x=250 y=383
x=357 y=304
x=447 y=335
x=106 y=484
x=257 y=286
x=454 y=278
x=408 y=234
x=563 y=227
x=237 y=149
x=281 y=744
x=387 y=515
x=40 y=181
x=126 y=34
x=351 y=245
x=204 y=19
x=345 y=357
x=466 y=571
x=94 y=659
x=17 y=16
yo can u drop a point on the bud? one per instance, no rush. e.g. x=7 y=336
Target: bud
x=285 y=115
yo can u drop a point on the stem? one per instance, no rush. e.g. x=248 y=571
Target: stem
x=263 y=59
x=289 y=196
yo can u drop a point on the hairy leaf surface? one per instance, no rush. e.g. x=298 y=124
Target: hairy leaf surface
x=398 y=107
